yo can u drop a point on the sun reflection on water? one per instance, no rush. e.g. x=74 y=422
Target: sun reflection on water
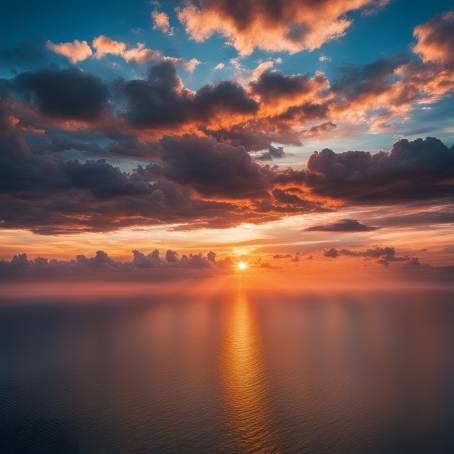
x=243 y=380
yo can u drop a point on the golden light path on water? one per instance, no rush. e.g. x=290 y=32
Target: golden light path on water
x=243 y=380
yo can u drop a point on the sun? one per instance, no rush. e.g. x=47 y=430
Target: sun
x=242 y=266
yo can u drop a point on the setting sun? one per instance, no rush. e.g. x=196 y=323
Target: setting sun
x=242 y=266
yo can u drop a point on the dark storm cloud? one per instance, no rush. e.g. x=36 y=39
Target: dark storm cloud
x=141 y=267
x=371 y=79
x=225 y=96
x=257 y=135
x=158 y=100
x=412 y=170
x=238 y=136
x=64 y=93
x=101 y=178
x=263 y=110
x=344 y=225
x=41 y=192
x=274 y=84
x=162 y=101
x=268 y=110
x=213 y=168
x=197 y=181
x=302 y=113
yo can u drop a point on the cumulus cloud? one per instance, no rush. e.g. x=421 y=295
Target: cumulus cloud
x=138 y=53
x=412 y=170
x=162 y=101
x=290 y=26
x=107 y=46
x=265 y=106
x=208 y=147
x=75 y=51
x=161 y=22
x=435 y=40
x=65 y=93
x=213 y=168
x=141 y=267
x=41 y=192
x=285 y=108
x=104 y=45
x=191 y=180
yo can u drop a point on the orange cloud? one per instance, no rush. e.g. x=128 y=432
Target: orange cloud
x=435 y=41
x=140 y=54
x=75 y=51
x=290 y=26
x=105 y=45
x=161 y=22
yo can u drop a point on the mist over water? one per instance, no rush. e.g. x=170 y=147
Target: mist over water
x=241 y=371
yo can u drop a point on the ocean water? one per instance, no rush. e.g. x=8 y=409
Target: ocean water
x=240 y=372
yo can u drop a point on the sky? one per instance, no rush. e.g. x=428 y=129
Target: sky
x=161 y=139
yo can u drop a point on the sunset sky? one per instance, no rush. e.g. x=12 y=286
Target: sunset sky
x=311 y=137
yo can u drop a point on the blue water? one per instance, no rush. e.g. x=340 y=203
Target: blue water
x=343 y=373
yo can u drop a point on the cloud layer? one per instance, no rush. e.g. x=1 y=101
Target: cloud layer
x=141 y=267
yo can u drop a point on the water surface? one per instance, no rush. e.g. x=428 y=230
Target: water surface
x=238 y=372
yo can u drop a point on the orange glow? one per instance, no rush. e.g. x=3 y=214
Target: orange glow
x=243 y=386
x=242 y=266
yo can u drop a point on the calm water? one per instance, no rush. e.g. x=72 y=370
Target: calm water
x=345 y=373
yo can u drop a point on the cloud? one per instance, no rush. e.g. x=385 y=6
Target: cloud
x=383 y=255
x=435 y=40
x=266 y=106
x=332 y=253
x=191 y=65
x=65 y=93
x=198 y=167
x=141 y=267
x=410 y=267
x=75 y=51
x=161 y=22
x=162 y=101
x=213 y=168
x=107 y=46
x=290 y=26
x=282 y=256
x=45 y=194
x=200 y=180
x=272 y=85
x=412 y=170
x=272 y=153
x=342 y=226
x=104 y=45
